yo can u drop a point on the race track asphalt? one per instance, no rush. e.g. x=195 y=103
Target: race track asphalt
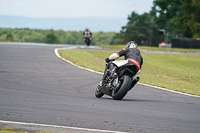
x=38 y=87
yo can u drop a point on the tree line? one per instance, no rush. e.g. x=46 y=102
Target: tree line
x=54 y=36
x=178 y=18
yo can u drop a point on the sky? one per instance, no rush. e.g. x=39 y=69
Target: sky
x=73 y=8
x=100 y=15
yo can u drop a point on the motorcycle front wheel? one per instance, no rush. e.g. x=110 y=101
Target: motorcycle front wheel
x=98 y=92
x=87 y=41
x=122 y=89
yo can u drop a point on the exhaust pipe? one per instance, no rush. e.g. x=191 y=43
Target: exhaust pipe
x=133 y=83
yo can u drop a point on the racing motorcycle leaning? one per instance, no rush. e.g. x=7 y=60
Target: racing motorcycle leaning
x=118 y=87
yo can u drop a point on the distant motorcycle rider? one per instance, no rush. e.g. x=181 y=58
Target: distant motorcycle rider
x=87 y=34
x=132 y=58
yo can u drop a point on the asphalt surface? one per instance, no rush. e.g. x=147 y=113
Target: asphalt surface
x=38 y=87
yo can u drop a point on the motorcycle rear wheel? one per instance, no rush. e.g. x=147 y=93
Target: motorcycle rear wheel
x=119 y=92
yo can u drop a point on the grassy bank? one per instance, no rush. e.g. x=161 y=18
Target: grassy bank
x=178 y=72
x=152 y=48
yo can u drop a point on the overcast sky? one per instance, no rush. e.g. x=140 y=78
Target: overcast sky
x=73 y=8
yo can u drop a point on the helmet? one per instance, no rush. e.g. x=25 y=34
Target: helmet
x=131 y=44
x=86 y=28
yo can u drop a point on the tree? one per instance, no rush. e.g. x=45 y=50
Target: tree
x=140 y=28
x=9 y=37
x=166 y=9
x=178 y=16
x=189 y=20
x=51 y=38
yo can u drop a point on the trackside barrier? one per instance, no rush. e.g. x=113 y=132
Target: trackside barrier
x=185 y=43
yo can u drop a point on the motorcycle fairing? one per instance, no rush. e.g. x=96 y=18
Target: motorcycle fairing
x=120 y=63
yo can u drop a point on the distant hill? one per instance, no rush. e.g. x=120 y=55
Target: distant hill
x=66 y=24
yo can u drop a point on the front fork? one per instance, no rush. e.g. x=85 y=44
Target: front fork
x=105 y=72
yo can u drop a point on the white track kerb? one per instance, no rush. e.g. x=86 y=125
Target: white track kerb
x=57 y=54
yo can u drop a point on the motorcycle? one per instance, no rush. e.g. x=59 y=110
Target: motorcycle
x=117 y=88
x=87 y=40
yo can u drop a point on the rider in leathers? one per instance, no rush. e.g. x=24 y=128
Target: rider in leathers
x=132 y=58
x=87 y=34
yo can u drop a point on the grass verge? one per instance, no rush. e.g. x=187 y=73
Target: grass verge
x=10 y=130
x=179 y=72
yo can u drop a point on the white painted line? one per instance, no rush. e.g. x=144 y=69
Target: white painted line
x=56 y=126
x=57 y=54
x=168 y=90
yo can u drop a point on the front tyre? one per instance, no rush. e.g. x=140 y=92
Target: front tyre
x=124 y=86
x=98 y=92
x=87 y=41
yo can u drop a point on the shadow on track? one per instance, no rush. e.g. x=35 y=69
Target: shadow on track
x=129 y=100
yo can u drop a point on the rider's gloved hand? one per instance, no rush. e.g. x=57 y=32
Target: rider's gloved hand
x=107 y=60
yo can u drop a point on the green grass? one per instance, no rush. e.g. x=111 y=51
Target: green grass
x=88 y=59
x=179 y=72
x=151 y=48
x=174 y=72
x=10 y=130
